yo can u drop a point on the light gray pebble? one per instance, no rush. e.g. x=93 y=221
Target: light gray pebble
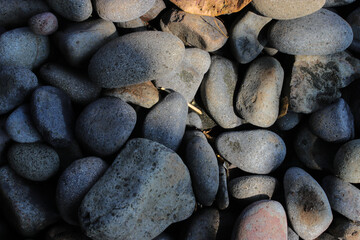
x=193 y=120
x=292 y=235
x=347 y=162
x=73 y=10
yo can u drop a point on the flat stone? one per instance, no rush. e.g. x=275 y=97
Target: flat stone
x=347 y=162
x=16 y=83
x=80 y=41
x=194 y=120
x=253 y=151
x=73 y=10
x=244 y=37
x=204 y=32
x=261 y=220
x=44 y=23
x=143 y=94
x=289 y=121
x=320 y=33
x=336 y=3
x=259 y=97
x=334 y=123
x=222 y=196
x=122 y=10
x=104 y=125
x=204 y=225
x=166 y=121
x=253 y=188
x=307 y=206
x=187 y=78
x=316 y=80
x=287 y=9
x=23 y=48
x=74 y=183
x=53 y=115
x=202 y=164
x=74 y=83
x=218 y=90
x=354 y=20
x=146 y=178
x=135 y=58
x=27 y=206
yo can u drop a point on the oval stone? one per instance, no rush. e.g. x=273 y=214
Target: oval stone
x=320 y=33
x=347 y=162
x=73 y=10
x=254 y=151
x=43 y=23
x=135 y=58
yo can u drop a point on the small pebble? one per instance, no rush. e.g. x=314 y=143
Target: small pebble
x=222 y=196
x=193 y=120
x=43 y=23
x=347 y=162
x=204 y=225
x=73 y=10
x=289 y=121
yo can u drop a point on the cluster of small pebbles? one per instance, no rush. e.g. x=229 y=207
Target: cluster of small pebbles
x=135 y=120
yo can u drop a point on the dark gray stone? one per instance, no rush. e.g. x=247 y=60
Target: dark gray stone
x=307 y=206
x=74 y=83
x=4 y=141
x=44 y=23
x=146 y=189
x=69 y=154
x=135 y=58
x=74 y=183
x=189 y=134
x=289 y=121
x=73 y=10
x=163 y=236
x=343 y=228
x=354 y=20
x=20 y=127
x=53 y=115
x=254 y=151
x=202 y=164
x=336 y=3
x=33 y=161
x=166 y=121
x=204 y=225
x=347 y=162
x=16 y=84
x=222 y=196
x=105 y=125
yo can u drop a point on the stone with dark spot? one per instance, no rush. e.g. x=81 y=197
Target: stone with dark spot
x=44 y=23
x=203 y=225
x=204 y=32
x=147 y=188
x=347 y=162
x=307 y=206
x=73 y=10
x=254 y=151
x=264 y=219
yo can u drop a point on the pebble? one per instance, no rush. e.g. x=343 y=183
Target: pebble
x=347 y=162
x=204 y=32
x=166 y=121
x=204 y=171
x=74 y=183
x=287 y=9
x=292 y=235
x=336 y=3
x=137 y=23
x=143 y=94
x=21 y=47
x=122 y=10
x=316 y=80
x=222 y=196
x=244 y=37
x=135 y=58
x=354 y=20
x=204 y=225
x=320 y=33
x=15 y=13
x=80 y=41
x=187 y=78
x=193 y=120
x=289 y=121
x=156 y=9
x=146 y=178
x=334 y=123
x=264 y=219
x=28 y=207
x=344 y=197
x=218 y=90
x=43 y=23
x=259 y=97
x=307 y=206
x=312 y=151
x=33 y=161
x=16 y=83
x=52 y=112
x=253 y=188
x=254 y=151
x=74 y=83
x=104 y=125
x=343 y=228
x=190 y=134
x=73 y=10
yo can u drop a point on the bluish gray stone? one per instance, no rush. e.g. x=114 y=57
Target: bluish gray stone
x=347 y=162
x=254 y=151
x=73 y=10
x=147 y=188
x=289 y=121
x=20 y=127
x=202 y=163
x=204 y=225
x=104 y=125
x=354 y=20
x=193 y=120
x=74 y=183
x=23 y=48
x=334 y=123
x=166 y=121
x=222 y=196
x=190 y=134
x=53 y=115
x=307 y=206
x=16 y=84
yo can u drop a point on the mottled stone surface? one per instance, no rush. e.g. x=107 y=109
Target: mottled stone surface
x=336 y=3
x=347 y=162
x=73 y=10
x=43 y=23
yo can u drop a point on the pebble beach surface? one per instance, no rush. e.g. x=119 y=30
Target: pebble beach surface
x=140 y=120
